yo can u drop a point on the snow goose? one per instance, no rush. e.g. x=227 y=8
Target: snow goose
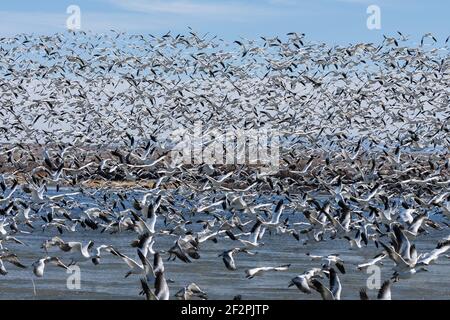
x=39 y=265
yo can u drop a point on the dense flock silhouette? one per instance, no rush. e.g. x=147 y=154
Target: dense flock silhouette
x=363 y=159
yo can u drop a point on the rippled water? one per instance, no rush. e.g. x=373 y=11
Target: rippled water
x=106 y=280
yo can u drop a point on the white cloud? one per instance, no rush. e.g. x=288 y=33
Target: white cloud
x=150 y=15
x=199 y=7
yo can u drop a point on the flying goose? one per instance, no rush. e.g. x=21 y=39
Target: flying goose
x=252 y=242
x=332 y=259
x=275 y=219
x=6 y=199
x=191 y=291
x=11 y=258
x=383 y=294
x=228 y=259
x=253 y=272
x=161 y=287
x=303 y=281
x=144 y=268
x=39 y=265
x=5 y=235
x=144 y=244
x=75 y=251
x=433 y=255
x=377 y=259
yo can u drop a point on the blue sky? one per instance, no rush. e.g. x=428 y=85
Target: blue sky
x=332 y=21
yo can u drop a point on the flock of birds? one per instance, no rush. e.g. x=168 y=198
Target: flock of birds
x=85 y=149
